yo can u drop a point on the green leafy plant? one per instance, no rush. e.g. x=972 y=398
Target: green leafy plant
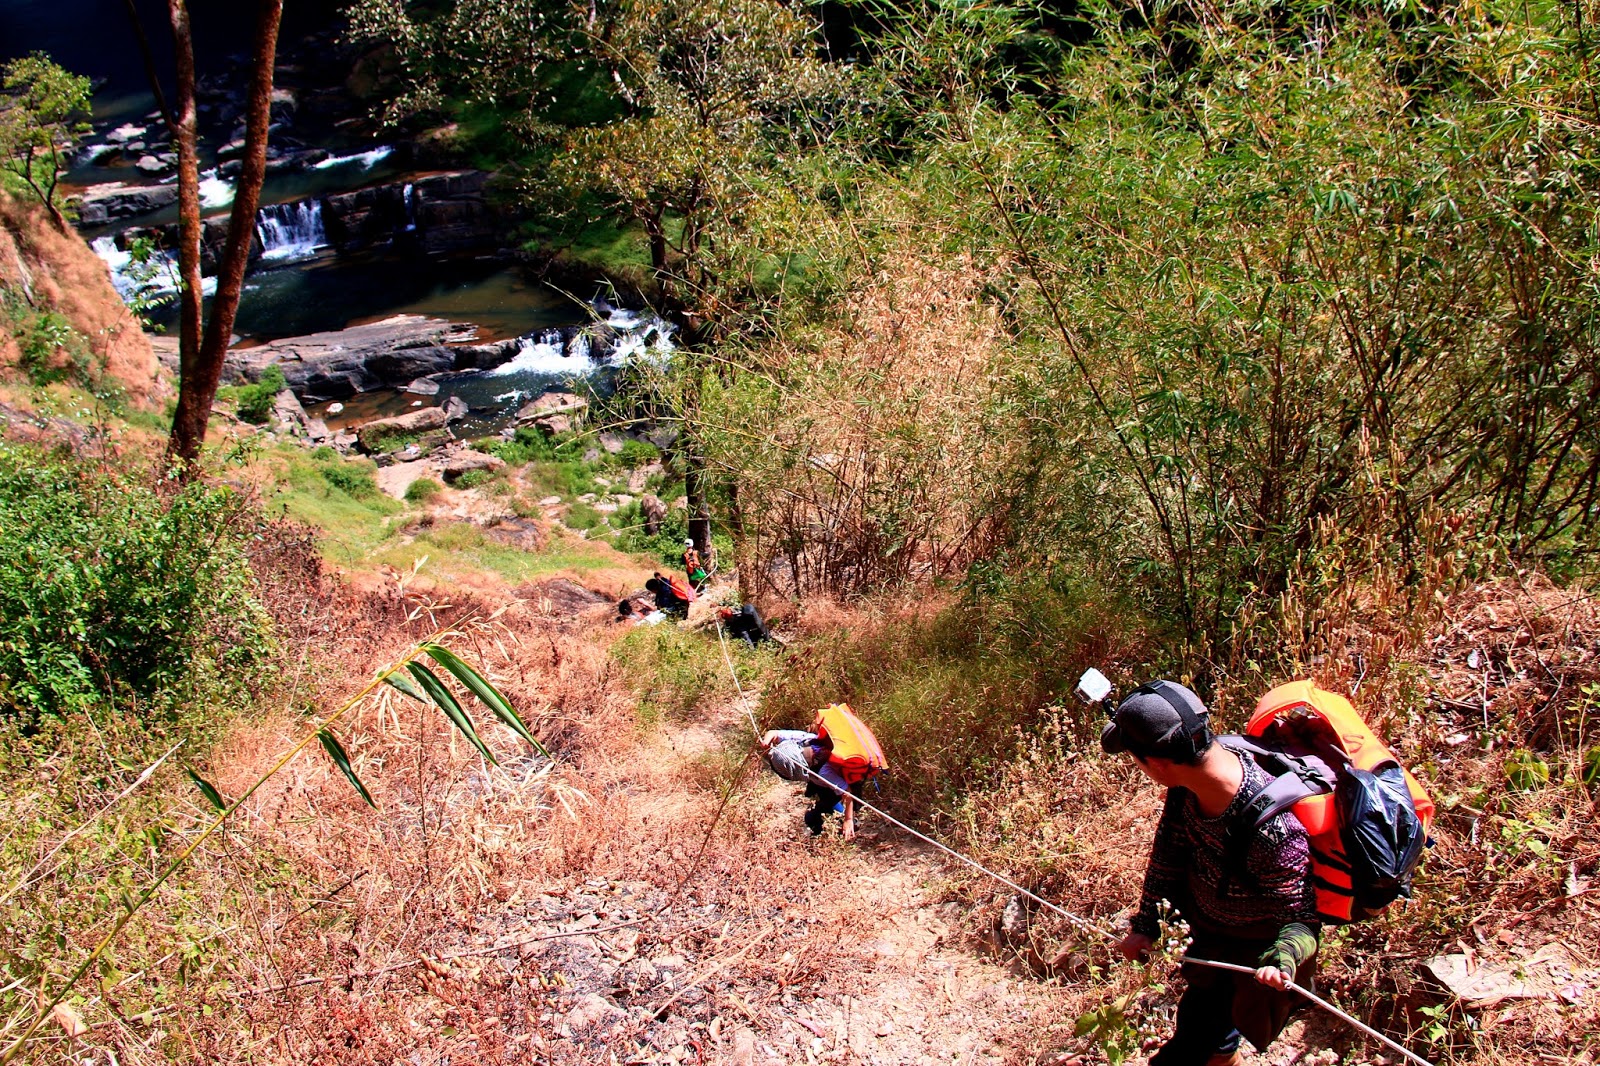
x=113 y=587
x=45 y=115
x=422 y=490
x=256 y=401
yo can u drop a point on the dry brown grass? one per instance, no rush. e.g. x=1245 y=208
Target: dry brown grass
x=58 y=271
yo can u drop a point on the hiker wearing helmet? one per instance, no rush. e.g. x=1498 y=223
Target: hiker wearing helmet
x=692 y=566
x=1259 y=912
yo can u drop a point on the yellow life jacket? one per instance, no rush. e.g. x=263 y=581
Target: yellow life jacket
x=855 y=751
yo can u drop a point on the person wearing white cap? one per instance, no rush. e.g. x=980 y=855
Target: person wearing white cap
x=693 y=567
x=1249 y=901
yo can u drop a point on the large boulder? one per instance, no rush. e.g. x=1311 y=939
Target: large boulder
x=384 y=435
x=338 y=364
x=441 y=213
x=456 y=463
x=551 y=404
x=101 y=204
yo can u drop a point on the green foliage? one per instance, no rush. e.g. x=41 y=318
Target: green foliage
x=674 y=671
x=50 y=348
x=42 y=117
x=422 y=490
x=582 y=516
x=471 y=479
x=112 y=589
x=256 y=401
x=1525 y=771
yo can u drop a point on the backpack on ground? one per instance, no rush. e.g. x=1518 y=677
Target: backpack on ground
x=854 y=750
x=1366 y=816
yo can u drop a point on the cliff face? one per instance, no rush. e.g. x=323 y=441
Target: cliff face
x=43 y=270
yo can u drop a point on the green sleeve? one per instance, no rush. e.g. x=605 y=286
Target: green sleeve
x=1296 y=943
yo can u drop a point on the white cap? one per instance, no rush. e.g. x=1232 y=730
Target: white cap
x=689 y=543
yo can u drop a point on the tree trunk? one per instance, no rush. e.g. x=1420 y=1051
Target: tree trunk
x=201 y=374
x=184 y=122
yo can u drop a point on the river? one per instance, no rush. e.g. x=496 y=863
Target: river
x=302 y=285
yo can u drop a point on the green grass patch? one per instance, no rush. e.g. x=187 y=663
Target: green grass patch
x=464 y=546
x=338 y=496
x=674 y=671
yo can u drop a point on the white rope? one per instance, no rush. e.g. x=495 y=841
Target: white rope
x=1324 y=1004
x=743 y=701
x=1068 y=915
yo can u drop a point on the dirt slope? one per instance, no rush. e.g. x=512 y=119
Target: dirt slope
x=44 y=269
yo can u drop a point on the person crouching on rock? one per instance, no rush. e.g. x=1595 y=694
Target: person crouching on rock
x=745 y=622
x=1259 y=912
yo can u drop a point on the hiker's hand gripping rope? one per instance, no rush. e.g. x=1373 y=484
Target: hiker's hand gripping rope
x=1289 y=985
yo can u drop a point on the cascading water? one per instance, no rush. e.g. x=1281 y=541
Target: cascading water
x=152 y=282
x=290 y=231
x=411 y=207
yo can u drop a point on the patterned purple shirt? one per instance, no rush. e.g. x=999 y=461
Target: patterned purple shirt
x=1189 y=854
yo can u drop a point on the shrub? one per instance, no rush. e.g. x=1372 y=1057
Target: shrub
x=472 y=479
x=422 y=490
x=110 y=588
x=353 y=479
x=255 y=402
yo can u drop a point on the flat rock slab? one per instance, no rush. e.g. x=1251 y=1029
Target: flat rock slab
x=338 y=364
x=107 y=203
x=372 y=435
x=456 y=463
x=396 y=478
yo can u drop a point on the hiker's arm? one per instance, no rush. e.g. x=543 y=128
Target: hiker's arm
x=849 y=816
x=1164 y=874
x=1296 y=943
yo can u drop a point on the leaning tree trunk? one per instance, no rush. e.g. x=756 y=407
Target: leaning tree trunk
x=200 y=357
x=183 y=120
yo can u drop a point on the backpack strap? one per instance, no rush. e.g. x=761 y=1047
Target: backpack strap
x=1296 y=777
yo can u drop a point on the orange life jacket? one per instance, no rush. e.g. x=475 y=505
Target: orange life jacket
x=855 y=750
x=1300 y=718
x=681 y=589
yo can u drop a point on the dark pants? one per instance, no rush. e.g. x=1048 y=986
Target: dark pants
x=1205 y=1020
x=824 y=800
x=1217 y=1002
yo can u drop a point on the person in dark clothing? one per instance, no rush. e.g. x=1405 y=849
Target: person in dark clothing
x=1259 y=913
x=666 y=599
x=746 y=623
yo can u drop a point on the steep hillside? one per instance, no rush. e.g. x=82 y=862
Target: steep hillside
x=60 y=316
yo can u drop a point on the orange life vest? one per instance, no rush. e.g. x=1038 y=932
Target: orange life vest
x=1300 y=717
x=855 y=750
x=681 y=589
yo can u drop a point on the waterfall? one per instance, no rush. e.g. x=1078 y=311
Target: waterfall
x=541 y=353
x=153 y=283
x=290 y=231
x=411 y=208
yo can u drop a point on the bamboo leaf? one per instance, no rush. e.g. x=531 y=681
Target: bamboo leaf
x=398 y=680
x=486 y=692
x=341 y=759
x=447 y=703
x=207 y=789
